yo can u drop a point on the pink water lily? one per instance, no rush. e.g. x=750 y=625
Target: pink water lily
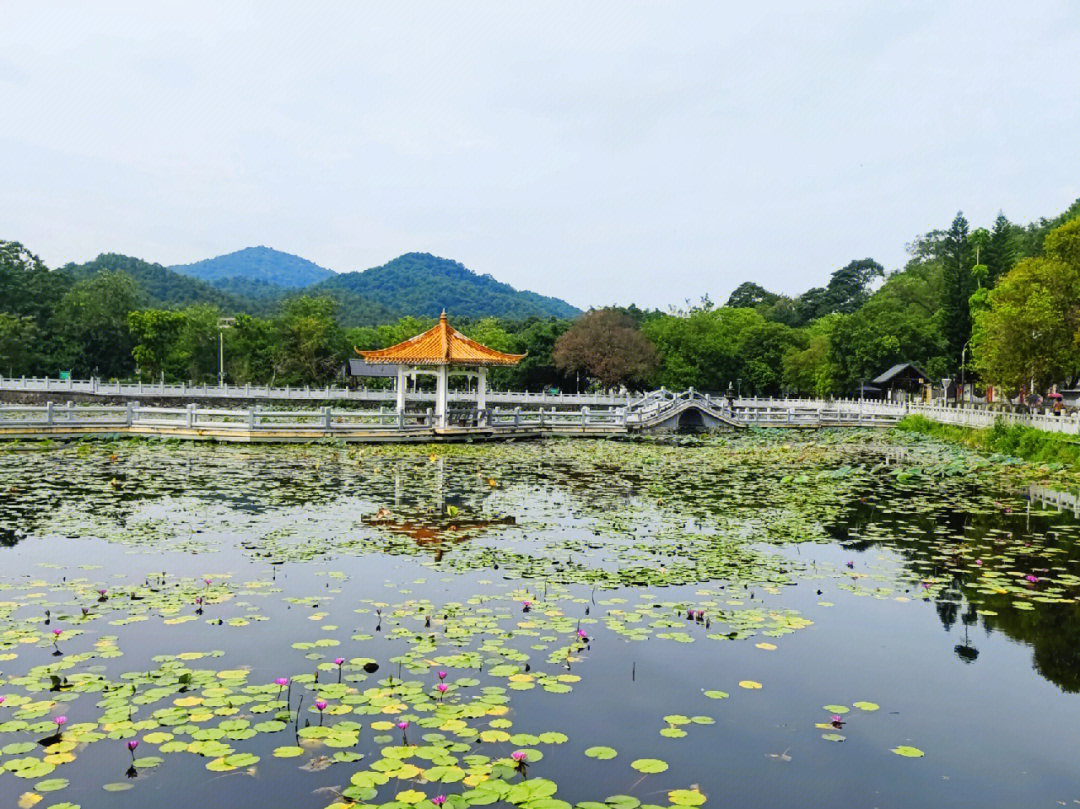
x=282 y=681
x=338 y=661
x=439 y=800
x=402 y=725
x=519 y=756
x=1031 y=578
x=442 y=687
x=131 y=745
x=320 y=704
x=60 y=721
x=442 y=675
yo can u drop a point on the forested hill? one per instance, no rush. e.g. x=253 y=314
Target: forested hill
x=422 y=284
x=160 y=285
x=260 y=264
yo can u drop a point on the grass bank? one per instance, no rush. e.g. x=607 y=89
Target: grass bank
x=1036 y=446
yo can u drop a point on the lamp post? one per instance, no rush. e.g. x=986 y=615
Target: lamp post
x=223 y=323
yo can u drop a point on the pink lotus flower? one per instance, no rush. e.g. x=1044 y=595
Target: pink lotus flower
x=207 y=581
x=60 y=721
x=439 y=800
x=1031 y=578
x=320 y=704
x=442 y=687
x=2 y=700
x=402 y=725
x=282 y=681
x=57 y=632
x=85 y=611
x=442 y=675
x=978 y=563
x=338 y=661
x=519 y=756
x=132 y=745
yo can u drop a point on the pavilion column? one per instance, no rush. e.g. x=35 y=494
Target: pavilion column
x=481 y=388
x=401 y=378
x=442 y=379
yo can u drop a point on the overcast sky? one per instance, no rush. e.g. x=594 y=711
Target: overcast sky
x=603 y=153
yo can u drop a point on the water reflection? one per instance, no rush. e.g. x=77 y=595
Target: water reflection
x=961 y=545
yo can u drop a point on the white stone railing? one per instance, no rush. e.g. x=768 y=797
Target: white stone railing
x=525 y=410
x=143 y=390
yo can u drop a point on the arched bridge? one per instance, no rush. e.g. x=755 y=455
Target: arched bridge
x=662 y=411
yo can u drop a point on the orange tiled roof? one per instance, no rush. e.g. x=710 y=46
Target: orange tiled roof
x=440 y=345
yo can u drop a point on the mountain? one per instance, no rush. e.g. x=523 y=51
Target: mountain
x=422 y=284
x=162 y=286
x=260 y=264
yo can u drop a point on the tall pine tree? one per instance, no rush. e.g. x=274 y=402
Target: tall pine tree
x=956 y=259
x=1001 y=253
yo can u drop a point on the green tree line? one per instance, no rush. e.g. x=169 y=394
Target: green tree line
x=1002 y=301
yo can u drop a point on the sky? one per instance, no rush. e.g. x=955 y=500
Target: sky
x=604 y=153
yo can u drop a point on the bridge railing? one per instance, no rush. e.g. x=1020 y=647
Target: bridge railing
x=648 y=410
x=141 y=390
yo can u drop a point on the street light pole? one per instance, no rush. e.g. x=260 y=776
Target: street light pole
x=223 y=323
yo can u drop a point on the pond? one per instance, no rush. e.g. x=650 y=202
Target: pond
x=768 y=620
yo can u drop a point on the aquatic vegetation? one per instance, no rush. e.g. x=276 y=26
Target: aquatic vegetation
x=476 y=634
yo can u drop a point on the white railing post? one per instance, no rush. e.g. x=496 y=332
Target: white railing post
x=251 y=416
x=189 y=415
x=326 y=418
x=48 y=414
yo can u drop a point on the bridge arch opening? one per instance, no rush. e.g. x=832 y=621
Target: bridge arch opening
x=690 y=421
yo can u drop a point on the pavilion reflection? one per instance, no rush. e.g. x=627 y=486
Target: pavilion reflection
x=437 y=525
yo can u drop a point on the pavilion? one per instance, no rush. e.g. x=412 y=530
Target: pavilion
x=440 y=351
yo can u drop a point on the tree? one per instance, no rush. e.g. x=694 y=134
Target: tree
x=606 y=345
x=537 y=341
x=251 y=351
x=1000 y=253
x=310 y=347
x=19 y=342
x=91 y=322
x=849 y=286
x=809 y=370
x=700 y=348
x=898 y=324
x=749 y=295
x=1029 y=329
x=155 y=334
x=955 y=255
x=762 y=348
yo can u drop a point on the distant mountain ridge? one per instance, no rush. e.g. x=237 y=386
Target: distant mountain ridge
x=260 y=264
x=412 y=284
